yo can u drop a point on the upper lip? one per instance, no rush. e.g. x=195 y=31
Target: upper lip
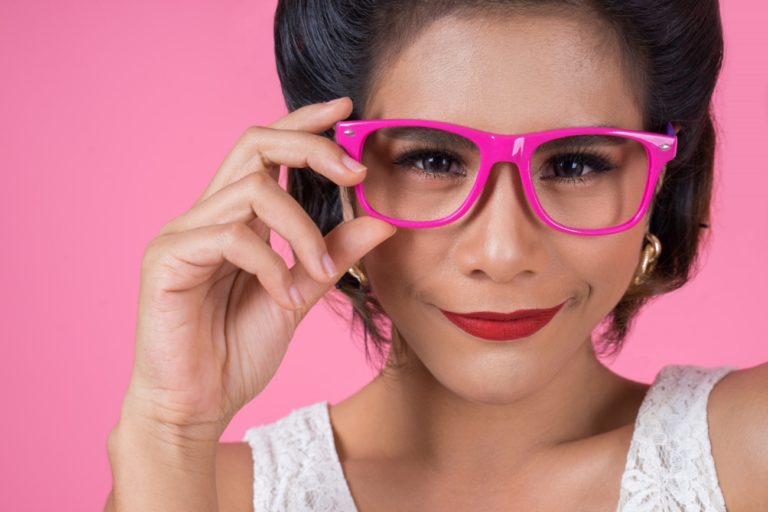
x=515 y=315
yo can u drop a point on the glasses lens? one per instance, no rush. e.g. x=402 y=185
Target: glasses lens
x=584 y=181
x=418 y=174
x=590 y=181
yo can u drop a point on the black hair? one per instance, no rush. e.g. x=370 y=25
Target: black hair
x=672 y=51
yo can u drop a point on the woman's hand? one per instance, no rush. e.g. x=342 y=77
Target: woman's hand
x=215 y=309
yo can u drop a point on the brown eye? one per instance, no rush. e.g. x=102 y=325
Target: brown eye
x=575 y=166
x=430 y=163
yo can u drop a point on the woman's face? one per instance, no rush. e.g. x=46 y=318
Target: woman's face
x=506 y=75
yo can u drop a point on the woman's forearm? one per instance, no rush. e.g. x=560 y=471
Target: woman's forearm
x=154 y=469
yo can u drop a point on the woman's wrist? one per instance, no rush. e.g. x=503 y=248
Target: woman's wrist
x=166 y=441
x=140 y=413
x=154 y=468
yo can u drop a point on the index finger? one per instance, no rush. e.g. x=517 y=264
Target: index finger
x=243 y=159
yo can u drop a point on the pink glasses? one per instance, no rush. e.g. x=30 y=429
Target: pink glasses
x=583 y=181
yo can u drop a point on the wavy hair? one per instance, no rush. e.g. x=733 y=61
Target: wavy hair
x=672 y=52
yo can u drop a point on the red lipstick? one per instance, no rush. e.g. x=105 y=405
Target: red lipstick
x=503 y=326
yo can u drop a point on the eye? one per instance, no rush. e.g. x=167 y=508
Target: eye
x=574 y=166
x=432 y=163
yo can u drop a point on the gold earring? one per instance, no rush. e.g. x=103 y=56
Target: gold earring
x=651 y=251
x=357 y=272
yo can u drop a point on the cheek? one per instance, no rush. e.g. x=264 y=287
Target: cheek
x=406 y=263
x=608 y=265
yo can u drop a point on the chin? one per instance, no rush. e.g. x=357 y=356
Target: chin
x=491 y=396
x=492 y=386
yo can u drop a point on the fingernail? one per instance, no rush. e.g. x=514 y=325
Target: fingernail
x=296 y=297
x=352 y=164
x=329 y=266
x=333 y=102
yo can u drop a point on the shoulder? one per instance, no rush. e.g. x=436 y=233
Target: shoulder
x=738 y=427
x=235 y=468
x=234 y=477
x=237 y=464
x=301 y=427
x=274 y=461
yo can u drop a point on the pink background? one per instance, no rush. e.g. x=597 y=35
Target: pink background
x=113 y=118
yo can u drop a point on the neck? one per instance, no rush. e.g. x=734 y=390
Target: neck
x=448 y=433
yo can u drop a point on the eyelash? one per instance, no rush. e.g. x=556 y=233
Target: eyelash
x=598 y=161
x=410 y=155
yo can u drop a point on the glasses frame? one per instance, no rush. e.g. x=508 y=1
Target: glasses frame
x=515 y=148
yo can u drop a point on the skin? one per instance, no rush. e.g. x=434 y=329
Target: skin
x=469 y=425
x=469 y=410
x=473 y=422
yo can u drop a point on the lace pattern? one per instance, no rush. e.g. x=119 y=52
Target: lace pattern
x=296 y=466
x=669 y=464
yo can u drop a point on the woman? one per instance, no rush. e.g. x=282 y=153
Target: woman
x=554 y=156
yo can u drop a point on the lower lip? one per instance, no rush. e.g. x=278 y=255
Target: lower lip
x=496 y=330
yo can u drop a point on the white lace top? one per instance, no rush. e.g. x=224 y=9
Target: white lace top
x=669 y=465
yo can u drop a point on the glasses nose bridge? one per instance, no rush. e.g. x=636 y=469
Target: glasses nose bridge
x=506 y=148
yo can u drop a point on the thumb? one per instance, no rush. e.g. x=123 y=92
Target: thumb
x=347 y=243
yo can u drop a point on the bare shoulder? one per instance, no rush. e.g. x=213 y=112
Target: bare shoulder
x=234 y=477
x=738 y=429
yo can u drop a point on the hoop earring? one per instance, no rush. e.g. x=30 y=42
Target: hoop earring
x=357 y=272
x=650 y=254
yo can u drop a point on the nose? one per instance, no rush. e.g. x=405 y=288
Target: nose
x=501 y=235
